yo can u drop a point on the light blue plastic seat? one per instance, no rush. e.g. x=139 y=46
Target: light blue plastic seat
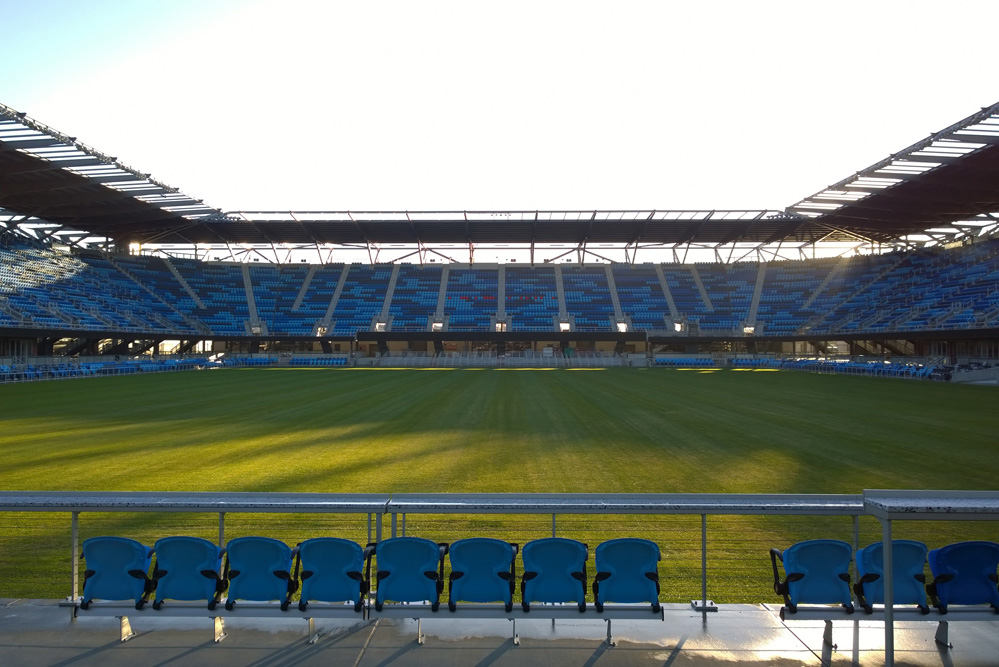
x=258 y=569
x=117 y=569
x=187 y=568
x=410 y=569
x=482 y=570
x=332 y=571
x=908 y=579
x=816 y=572
x=627 y=571
x=965 y=573
x=554 y=572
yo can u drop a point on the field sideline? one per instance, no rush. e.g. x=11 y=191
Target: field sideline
x=451 y=430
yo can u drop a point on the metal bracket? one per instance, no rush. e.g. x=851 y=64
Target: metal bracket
x=516 y=637
x=124 y=629
x=219 y=628
x=610 y=638
x=704 y=605
x=827 y=635
x=943 y=634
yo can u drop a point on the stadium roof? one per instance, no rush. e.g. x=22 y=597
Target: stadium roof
x=943 y=187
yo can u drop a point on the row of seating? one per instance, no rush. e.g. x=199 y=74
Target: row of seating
x=817 y=572
x=335 y=570
x=926 y=290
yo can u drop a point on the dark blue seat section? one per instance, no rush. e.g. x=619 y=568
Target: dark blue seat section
x=259 y=569
x=410 y=569
x=908 y=581
x=117 y=569
x=588 y=298
x=965 y=573
x=187 y=568
x=332 y=570
x=414 y=299
x=627 y=571
x=816 y=572
x=482 y=570
x=554 y=572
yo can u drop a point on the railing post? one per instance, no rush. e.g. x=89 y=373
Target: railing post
x=704 y=604
x=369 y=528
x=395 y=518
x=378 y=528
x=221 y=529
x=553 y=525
x=404 y=524
x=75 y=546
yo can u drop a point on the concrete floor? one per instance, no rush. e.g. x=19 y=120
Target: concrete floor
x=39 y=632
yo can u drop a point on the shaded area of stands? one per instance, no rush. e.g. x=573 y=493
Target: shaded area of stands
x=917 y=291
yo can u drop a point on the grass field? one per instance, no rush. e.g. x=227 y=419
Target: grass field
x=450 y=430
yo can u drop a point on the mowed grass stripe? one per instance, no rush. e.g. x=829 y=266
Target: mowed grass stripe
x=455 y=430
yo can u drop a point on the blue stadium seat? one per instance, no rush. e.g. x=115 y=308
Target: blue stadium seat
x=258 y=568
x=188 y=568
x=554 y=572
x=410 y=569
x=964 y=573
x=908 y=580
x=816 y=572
x=332 y=571
x=627 y=571
x=117 y=569
x=482 y=570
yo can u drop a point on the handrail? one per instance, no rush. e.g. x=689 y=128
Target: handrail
x=434 y=503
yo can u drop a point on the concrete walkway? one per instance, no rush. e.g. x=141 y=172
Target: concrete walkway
x=39 y=632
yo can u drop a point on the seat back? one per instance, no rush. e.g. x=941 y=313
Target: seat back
x=258 y=569
x=187 y=568
x=332 y=570
x=117 y=569
x=825 y=569
x=554 y=571
x=408 y=570
x=482 y=570
x=965 y=573
x=908 y=581
x=627 y=571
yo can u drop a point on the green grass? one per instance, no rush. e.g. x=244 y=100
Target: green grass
x=454 y=430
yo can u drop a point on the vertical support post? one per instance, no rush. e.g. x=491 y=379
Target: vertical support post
x=856 y=542
x=704 y=604
x=369 y=528
x=395 y=518
x=404 y=524
x=221 y=529
x=75 y=546
x=378 y=528
x=889 y=593
x=553 y=525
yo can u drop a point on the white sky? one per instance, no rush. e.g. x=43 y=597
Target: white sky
x=300 y=105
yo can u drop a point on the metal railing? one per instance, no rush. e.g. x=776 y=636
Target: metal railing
x=395 y=507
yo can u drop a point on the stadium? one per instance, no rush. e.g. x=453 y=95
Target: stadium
x=170 y=368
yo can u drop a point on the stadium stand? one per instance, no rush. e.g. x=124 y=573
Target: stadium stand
x=897 y=293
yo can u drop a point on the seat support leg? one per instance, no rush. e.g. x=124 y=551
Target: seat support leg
x=124 y=629
x=420 y=638
x=827 y=635
x=516 y=637
x=219 y=623
x=610 y=637
x=943 y=634
x=313 y=635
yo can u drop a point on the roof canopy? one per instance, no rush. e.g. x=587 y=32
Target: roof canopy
x=944 y=186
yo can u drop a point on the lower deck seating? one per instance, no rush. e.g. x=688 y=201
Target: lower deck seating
x=260 y=575
x=816 y=585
